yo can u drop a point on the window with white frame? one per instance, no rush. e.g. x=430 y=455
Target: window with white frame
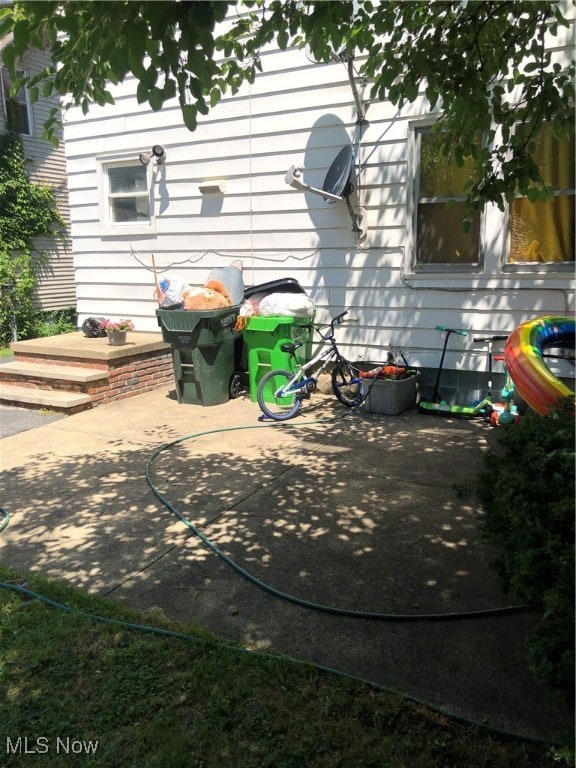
x=125 y=196
x=440 y=239
x=543 y=232
x=16 y=108
x=538 y=233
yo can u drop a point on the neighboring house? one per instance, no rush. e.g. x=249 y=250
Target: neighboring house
x=46 y=165
x=221 y=195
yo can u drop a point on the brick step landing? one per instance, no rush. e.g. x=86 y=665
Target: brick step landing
x=71 y=372
x=74 y=374
x=52 y=400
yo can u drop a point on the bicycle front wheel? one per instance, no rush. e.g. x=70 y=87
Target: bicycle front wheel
x=346 y=383
x=278 y=407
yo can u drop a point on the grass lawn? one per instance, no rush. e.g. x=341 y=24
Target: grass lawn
x=76 y=691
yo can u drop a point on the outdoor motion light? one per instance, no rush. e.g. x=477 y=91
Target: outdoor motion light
x=157 y=152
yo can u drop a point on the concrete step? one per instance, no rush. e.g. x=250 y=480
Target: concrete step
x=54 y=400
x=71 y=372
x=76 y=346
x=48 y=372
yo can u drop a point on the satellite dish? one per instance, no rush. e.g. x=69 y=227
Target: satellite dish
x=337 y=181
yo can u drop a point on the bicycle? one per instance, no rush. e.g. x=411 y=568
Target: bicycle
x=486 y=406
x=280 y=393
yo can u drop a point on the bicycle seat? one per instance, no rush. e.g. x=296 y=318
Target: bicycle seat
x=291 y=347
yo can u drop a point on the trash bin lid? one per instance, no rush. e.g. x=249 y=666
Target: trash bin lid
x=284 y=285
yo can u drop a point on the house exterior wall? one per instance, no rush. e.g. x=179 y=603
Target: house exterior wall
x=296 y=112
x=46 y=164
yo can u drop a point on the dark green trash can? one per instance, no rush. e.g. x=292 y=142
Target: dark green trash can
x=203 y=352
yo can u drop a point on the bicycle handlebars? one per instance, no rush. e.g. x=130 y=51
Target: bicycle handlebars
x=498 y=337
x=331 y=324
x=338 y=318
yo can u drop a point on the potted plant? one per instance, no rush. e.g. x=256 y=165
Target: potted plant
x=116 y=330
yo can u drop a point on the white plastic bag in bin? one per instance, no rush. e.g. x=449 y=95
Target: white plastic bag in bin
x=286 y=305
x=170 y=291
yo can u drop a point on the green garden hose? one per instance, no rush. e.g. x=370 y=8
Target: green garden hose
x=282 y=595
x=398 y=617
x=5 y=519
x=157 y=631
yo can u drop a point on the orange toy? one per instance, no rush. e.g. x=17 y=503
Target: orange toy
x=213 y=296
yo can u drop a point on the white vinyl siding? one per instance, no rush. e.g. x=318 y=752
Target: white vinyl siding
x=296 y=113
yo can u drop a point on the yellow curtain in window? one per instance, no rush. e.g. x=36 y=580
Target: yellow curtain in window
x=544 y=232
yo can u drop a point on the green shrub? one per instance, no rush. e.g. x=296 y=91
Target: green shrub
x=55 y=322
x=27 y=211
x=527 y=493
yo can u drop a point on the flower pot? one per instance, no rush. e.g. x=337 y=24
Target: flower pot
x=116 y=338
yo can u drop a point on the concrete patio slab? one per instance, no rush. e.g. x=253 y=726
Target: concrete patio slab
x=364 y=513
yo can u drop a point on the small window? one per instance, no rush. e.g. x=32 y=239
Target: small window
x=128 y=194
x=543 y=232
x=125 y=197
x=16 y=108
x=440 y=237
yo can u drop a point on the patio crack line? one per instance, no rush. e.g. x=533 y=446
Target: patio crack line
x=149 y=563
x=187 y=534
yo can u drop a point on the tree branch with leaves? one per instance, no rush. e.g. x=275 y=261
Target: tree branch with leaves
x=480 y=64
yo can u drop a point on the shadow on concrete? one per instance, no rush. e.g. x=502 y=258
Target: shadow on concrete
x=372 y=515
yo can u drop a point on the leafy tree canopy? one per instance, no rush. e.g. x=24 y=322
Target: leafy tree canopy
x=482 y=64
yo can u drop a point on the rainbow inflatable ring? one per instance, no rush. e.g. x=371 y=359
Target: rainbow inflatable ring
x=524 y=359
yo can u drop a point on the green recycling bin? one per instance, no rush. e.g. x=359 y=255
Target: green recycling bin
x=203 y=352
x=263 y=339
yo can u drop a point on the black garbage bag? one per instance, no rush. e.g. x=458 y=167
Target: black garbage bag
x=93 y=327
